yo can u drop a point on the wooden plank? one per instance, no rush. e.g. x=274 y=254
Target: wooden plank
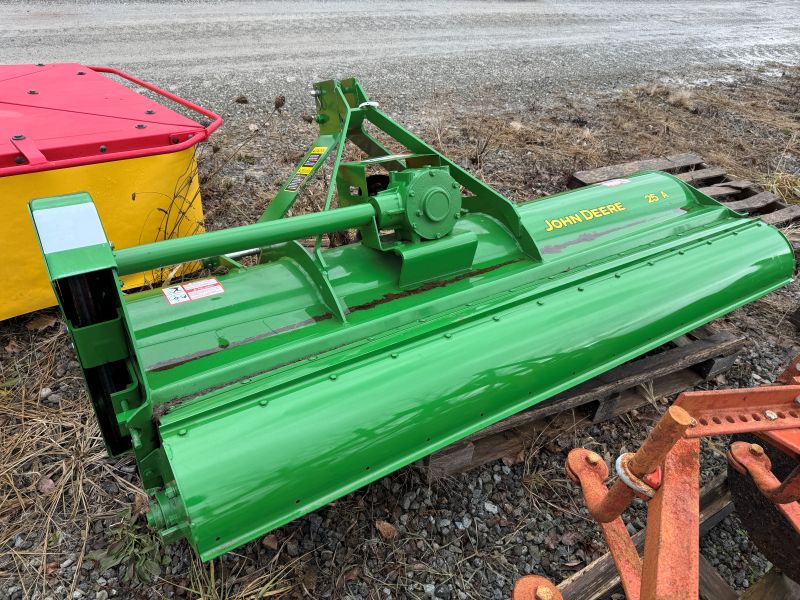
x=712 y=585
x=693 y=177
x=756 y=203
x=669 y=163
x=727 y=188
x=600 y=577
x=782 y=217
x=773 y=586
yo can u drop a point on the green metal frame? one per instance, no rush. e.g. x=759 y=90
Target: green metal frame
x=279 y=387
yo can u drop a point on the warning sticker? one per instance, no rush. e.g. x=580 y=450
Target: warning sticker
x=305 y=169
x=615 y=182
x=194 y=290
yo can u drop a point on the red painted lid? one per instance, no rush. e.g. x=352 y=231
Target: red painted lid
x=64 y=115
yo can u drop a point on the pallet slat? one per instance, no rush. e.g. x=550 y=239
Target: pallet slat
x=740 y=195
x=674 y=162
x=782 y=217
x=727 y=188
x=693 y=177
x=755 y=203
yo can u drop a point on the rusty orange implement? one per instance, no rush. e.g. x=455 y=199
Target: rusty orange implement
x=664 y=472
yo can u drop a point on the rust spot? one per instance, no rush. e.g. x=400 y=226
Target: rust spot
x=428 y=286
x=588 y=237
x=162 y=409
x=176 y=362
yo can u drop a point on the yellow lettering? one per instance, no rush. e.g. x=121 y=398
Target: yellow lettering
x=596 y=213
x=557 y=223
x=604 y=211
x=586 y=214
x=548 y=225
x=619 y=206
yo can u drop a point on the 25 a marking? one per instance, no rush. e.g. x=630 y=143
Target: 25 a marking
x=651 y=198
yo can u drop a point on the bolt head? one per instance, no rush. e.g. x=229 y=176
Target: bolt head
x=756 y=450
x=771 y=415
x=140 y=126
x=150 y=112
x=593 y=458
x=543 y=593
x=18 y=136
x=103 y=148
x=797 y=400
x=32 y=92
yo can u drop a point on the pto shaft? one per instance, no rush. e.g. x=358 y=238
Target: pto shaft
x=217 y=243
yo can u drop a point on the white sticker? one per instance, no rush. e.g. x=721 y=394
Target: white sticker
x=615 y=182
x=69 y=227
x=194 y=290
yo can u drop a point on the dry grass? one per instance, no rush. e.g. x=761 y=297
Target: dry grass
x=53 y=467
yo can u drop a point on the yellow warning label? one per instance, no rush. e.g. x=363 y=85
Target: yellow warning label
x=583 y=215
x=305 y=169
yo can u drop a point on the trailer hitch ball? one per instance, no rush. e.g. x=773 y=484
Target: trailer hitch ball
x=167 y=513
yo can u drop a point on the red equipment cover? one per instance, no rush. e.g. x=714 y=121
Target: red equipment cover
x=66 y=115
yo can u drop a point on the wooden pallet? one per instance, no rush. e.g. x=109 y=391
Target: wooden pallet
x=690 y=359
x=740 y=195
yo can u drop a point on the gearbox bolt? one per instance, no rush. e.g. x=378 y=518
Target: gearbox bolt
x=771 y=415
x=756 y=450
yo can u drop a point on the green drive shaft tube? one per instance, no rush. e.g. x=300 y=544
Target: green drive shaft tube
x=237 y=239
x=251 y=395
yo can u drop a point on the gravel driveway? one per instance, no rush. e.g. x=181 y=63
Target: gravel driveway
x=492 y=54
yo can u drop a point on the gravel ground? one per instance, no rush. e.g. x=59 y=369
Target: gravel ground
x=492 y=55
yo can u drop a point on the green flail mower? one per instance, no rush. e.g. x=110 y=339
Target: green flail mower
x=253 y=397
